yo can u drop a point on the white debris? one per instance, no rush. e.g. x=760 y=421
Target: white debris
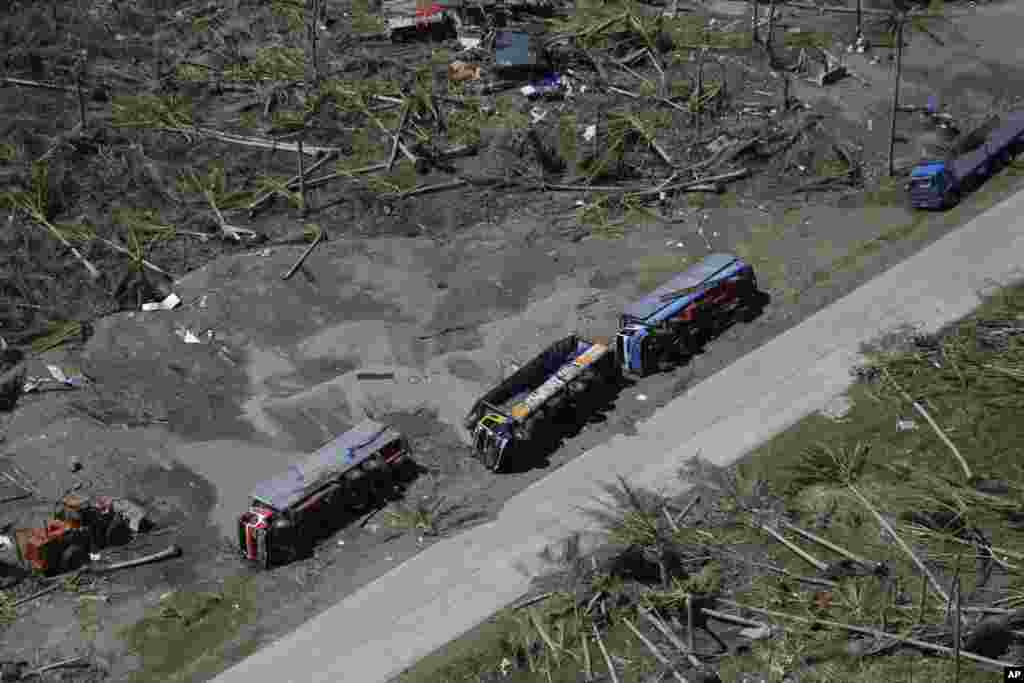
x=837 y=408
x=95 y=557
x=590 y=132
x=187 y=336
x=641 y=397
x=757 y=632
x=6 y=543
x=469 y=43
x=169 y=303
x=341 y=542
x=905 y=425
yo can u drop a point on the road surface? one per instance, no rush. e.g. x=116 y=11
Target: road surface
x=383 y=628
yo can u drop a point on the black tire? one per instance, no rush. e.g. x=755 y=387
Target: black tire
x=118 y=533
x=952 y=199
x=73 y=557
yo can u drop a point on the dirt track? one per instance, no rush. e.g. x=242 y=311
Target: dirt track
x=445 y=291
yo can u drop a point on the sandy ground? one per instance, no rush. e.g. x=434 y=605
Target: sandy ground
x=448 y=298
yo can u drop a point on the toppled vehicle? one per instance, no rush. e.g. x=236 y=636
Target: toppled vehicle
x=675 y=318
x=79 y=528
x=289 y=513
x=940 y=184
x=509 y=416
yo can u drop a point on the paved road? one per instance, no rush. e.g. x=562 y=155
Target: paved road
x=449 y=588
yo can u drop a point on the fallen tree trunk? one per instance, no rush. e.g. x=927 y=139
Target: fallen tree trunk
x=173 y=551
x=923 y=644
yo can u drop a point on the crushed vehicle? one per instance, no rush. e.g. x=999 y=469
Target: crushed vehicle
x=290 y=512
x=674 y=318
x=79 y=528
x=940 y=184
x=508 y=416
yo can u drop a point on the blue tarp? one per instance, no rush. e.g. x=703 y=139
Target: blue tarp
x=325 y=465
x=695 y=275
x=513 y=49
x=927 y=170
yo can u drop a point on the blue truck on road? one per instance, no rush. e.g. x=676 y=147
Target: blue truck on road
x=941 y=184
x=673 y=318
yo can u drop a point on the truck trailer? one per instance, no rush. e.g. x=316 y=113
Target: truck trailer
x=508 y=417
x=289 y=513
x=673 y=318
x=940 y=184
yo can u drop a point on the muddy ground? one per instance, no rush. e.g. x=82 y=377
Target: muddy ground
x=446 y=291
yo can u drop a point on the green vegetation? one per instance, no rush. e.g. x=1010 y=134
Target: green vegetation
x=365 y=21
x=152 y=111
x=213 y=186
x=58 y=332
x=771 y=270
x=9 y=152
x=7 y=610
x=88 y=617
x=270 y=64
x=653 y=270
x=691 y=32
x=184 y=635
x=819 y=39
x=144 y=229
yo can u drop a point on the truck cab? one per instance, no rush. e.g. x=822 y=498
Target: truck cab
x=673 y=315
x=931 y=185
x=290 y=511
x=491 y=438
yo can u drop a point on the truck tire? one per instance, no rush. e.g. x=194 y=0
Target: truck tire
x=73 y=557
x=952 y=199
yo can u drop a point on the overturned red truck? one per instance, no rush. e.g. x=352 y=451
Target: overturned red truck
x=292 y=511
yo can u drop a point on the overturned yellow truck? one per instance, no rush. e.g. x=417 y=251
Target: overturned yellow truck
x=544 y=391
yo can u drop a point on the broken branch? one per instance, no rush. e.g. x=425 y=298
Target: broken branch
x=401 y=145
x=902 y=544
x=124 y=250
x=398 y=137
x=924 y=645
x=35 y=84
x=173 y=551
x=56 y=665
x=671 y=637
x=305 y=255
x=604 y=652
x=804 y=555
x=653 y=649
x=828 y=544
x=292 y=183
x=426 y=189
x=226 y=230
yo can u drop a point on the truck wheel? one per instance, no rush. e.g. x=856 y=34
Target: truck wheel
x=952 y=199
x=73 y=557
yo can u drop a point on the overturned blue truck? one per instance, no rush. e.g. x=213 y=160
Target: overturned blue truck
x=675 y=318
x=941 y=183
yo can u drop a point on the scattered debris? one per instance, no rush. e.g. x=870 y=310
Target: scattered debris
x=168 y=304
x=375 y=375
x=187 y=336
x=58 y=377
x=461 y=71
x=905 y=425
